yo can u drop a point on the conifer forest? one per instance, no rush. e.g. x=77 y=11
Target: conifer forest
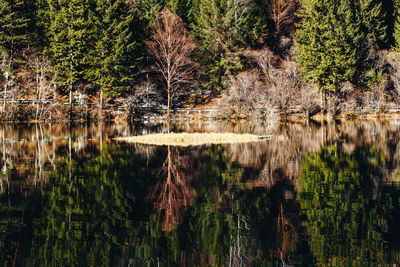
x=97 y=60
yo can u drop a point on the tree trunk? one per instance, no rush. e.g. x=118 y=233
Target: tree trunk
x=101 y=105
x=70 y=101
x=5 y=96
x=169 y=97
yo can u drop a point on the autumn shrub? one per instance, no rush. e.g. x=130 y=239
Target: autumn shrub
x=245 y=97
x=337 y=101
x=394 y=61
x=17 y=112
x=309 y=100
x=286 y=82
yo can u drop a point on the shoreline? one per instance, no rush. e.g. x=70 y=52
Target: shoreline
x=198 y=115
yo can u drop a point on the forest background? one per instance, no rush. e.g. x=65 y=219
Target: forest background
x=99 y=59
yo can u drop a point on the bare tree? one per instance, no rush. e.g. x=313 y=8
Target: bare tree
x=144 y=98
x=286 y=83
x=309 y=100
x=282 y=12
x=45 y=80
x=394 y=61
x=171 y=49
x=375 y=98
x=8 y=76
x=245 y=97
x=146 y=93
x=264 y=59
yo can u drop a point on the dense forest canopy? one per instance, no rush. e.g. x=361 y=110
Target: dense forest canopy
x=170 y=52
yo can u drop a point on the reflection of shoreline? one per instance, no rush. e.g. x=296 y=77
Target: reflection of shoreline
x=212 y=204
x=27 y=151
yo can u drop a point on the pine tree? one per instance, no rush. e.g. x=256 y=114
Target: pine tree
x=222 y=29
x=13 y=37
x=372 y=21
x=149 y=9
x=12 y=26
x=184 y=9
x=396 y=33
x=69 y=35
x=328 y=43
x=116 y=53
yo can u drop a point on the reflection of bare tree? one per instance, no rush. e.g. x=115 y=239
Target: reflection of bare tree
x=44 y=153
x=172 y=195
x=28 y=153
x=287 y=236
x=286 y=152
x=294 y=140
x=238 y=240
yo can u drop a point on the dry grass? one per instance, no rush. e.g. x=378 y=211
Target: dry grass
x=193 y=139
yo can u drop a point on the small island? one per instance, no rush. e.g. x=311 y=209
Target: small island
x=193 y=139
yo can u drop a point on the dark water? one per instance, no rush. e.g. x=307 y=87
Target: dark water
x=317 y=195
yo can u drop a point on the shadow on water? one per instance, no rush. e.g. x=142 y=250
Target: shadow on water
x=316 y=195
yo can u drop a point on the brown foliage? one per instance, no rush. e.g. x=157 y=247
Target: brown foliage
x=282 y=12
x=309 y=100
x=245 y=97
x=171 y=49
x=285 y=87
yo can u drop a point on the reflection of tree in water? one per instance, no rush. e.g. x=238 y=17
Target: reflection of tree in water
x=28 y=153
x=347 y=212
x=244 y=213
x=172 y=192
x=227 y=223
x=83 y=215
x=276 y=223
x=286 y=225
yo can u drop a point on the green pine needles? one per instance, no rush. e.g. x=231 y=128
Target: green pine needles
x=327 y=41
x=115 y=55
x=396 y=33
x=94 y=42
x=222 y=29
x=333 y=38
x=12 y=26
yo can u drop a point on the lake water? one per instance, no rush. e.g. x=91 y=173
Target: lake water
x=315 y=195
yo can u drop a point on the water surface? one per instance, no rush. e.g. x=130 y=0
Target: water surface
x=317 y=195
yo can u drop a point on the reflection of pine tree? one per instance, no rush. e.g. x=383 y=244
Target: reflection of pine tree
x=347 y=214
x=84 y=219
x=12 y=210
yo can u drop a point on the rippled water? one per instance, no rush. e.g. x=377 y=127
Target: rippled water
x=315 y=195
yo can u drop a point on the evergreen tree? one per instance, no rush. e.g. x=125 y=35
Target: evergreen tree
x=372 y=21
x=12 y=26
x=396 y=33
x=222 y=28
x=69 y=33
x=185 y=9
x=116 y=53
x=149 y=9
x=12 y=39
x=328 y=43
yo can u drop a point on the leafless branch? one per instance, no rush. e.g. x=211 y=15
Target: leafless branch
x=171 y=49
